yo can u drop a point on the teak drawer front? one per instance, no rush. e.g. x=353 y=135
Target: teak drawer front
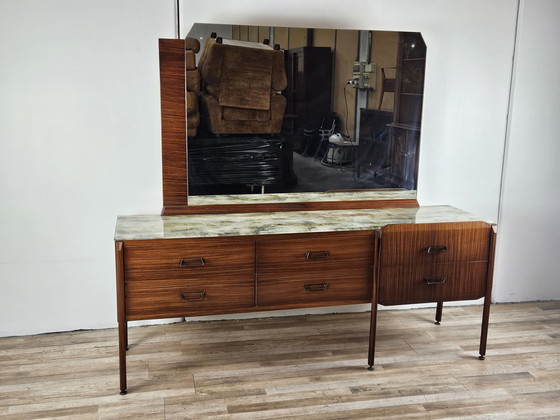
x=314 y=250
x=192 y=298
x=432 y=283
x=434 y=243
x=165 y=279
x=191 y=258
x=338 y=286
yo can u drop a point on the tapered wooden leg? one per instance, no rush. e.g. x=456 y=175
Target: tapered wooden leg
x=488 y=296
x=372 y=331
x=126 y=335
x=122 y=356
x=439 y=311
x=121 y=314
x=374 y=300
x=484 y=329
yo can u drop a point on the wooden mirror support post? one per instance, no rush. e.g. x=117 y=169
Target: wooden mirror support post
x=173 y=123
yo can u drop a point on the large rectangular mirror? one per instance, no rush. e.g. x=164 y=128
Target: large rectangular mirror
x=301 y=115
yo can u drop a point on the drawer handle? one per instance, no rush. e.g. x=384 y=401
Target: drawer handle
x=436 y=249
x=435 y=280
x=317 y=255
x=191 y=262
x=316 y=287
x=192 y=295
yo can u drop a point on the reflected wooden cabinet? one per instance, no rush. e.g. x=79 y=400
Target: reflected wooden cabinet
x=407 y=122
x=182 y=276
x=309 y=91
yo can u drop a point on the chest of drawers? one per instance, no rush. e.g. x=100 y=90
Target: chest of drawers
x=433 y=262
x=179 y=266
x=178 y=277
x=315 y=269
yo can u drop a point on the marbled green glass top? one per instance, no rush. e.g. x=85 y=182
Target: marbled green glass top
x=246 y=224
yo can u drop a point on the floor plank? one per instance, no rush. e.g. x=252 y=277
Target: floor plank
x=311 y=367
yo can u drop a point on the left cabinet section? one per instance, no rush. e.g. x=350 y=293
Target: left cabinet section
x=168 y=278
x=188 y=277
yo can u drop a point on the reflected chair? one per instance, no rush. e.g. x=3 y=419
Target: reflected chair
x=242 y=87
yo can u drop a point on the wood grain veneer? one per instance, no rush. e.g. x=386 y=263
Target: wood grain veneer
x=173 y=121
x=188 y=277
x=213 y=295
x=316 y=288
x=186 y=257
x=407 y=284
x=286 y=206
x=407 y=244
x=435 y=262
x=341 y=247
x=320 y=269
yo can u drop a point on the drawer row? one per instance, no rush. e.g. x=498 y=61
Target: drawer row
x=170 y=278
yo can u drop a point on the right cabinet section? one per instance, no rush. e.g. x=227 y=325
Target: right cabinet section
x=433 y=262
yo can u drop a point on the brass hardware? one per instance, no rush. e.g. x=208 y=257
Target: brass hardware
x=435 y=280
x=316 y=287
x=192 y=295
x=436 y=249
x=191 y=262
x=317 y=255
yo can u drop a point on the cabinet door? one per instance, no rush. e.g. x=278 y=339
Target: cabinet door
x=433 y=262
x=314 y=270
x=169 y=278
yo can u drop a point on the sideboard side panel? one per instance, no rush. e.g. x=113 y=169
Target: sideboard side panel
x=173 y=121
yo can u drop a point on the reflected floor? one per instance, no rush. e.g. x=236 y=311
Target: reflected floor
x=312 y=175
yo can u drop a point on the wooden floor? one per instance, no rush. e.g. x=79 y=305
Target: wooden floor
x=311 y=367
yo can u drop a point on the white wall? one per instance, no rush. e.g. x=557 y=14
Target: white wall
x=79 y=144
x=528 y=259
x=80 y=133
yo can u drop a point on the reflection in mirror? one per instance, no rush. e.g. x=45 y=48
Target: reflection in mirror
x=290 y=110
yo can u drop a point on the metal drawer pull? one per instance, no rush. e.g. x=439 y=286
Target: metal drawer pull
x=191 y=262
x=316 y=255
x=436 y=249
x=316 y=287
x=192 y=295
x=435 y=280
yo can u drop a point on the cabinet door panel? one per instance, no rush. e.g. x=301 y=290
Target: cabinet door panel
x=432 y=282
x=434 y=243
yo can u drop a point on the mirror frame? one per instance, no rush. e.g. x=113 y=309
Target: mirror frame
x=174 y=152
